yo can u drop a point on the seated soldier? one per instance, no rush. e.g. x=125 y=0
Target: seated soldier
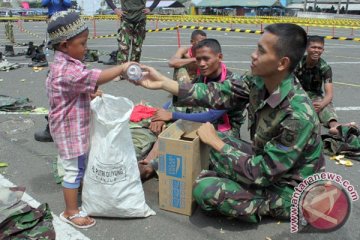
x=184 y=62
x=212 y=69
x=312 y=72
x=249 y=181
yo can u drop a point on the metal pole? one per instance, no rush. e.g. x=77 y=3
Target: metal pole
x=178 y=36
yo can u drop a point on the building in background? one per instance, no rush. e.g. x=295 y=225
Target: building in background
x=325 y=6
x=217 y=7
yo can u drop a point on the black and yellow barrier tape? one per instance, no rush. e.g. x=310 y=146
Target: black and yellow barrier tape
x=222 y=29
x=334 y=23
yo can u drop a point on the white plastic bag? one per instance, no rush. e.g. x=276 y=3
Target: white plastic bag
x=112 y=185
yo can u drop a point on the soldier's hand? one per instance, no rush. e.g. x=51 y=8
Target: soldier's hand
x=318 y=106
x=208 y=135
x=157 y=127
x=162 y=115
x=146 y=10
x=119 y=12
x=152 y=79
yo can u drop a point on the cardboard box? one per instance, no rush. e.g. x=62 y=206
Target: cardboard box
x=181 y=158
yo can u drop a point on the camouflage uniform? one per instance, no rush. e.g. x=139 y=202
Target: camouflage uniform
x=182 y=75
x=20 y=221
x=130 y=35
x=250 y=181
x=312 y=80
x=187 y=73
x=236 y=115
x=9 y=32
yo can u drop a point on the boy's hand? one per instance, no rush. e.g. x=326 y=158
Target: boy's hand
x=98 y=93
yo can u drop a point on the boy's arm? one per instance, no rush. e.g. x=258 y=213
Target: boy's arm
x=179 y=60
x=109 y=74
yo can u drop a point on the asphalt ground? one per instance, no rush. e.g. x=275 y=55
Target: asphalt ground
x=30 y=162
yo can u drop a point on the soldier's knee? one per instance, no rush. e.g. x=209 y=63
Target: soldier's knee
x=205 y=190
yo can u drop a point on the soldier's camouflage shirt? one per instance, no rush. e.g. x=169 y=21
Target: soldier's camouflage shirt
x=312 y=79
x=284 y=128
x=236 y=115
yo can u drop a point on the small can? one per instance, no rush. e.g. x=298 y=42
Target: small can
x=134 y=72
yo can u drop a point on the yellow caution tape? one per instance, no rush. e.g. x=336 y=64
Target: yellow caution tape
x=334 y=23
x=224 y=29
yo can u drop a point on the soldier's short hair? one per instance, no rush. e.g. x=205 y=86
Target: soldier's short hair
x=315 y=38
x=196 y=33
x=211 y=43
x=292 y=41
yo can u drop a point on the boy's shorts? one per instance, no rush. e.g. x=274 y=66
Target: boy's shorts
x=74 y=170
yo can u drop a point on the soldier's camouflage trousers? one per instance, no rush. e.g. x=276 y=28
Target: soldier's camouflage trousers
x=130 y=39
x=9 y=32
x=327 y=113
x=218 y=190
x=182 y=75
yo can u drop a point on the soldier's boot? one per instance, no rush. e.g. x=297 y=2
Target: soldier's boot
x=112 y=59
x=40 y=48
x=39 y=60
x=44 y=135
x=91 y=56
x=1 y=56
x=30 y=52
x=9 y=51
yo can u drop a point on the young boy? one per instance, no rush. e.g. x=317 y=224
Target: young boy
x=69 y=88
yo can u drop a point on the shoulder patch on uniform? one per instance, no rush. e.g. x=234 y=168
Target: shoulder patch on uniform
x=290 y=132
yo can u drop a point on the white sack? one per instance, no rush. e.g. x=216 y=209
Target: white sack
x=112 y=185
